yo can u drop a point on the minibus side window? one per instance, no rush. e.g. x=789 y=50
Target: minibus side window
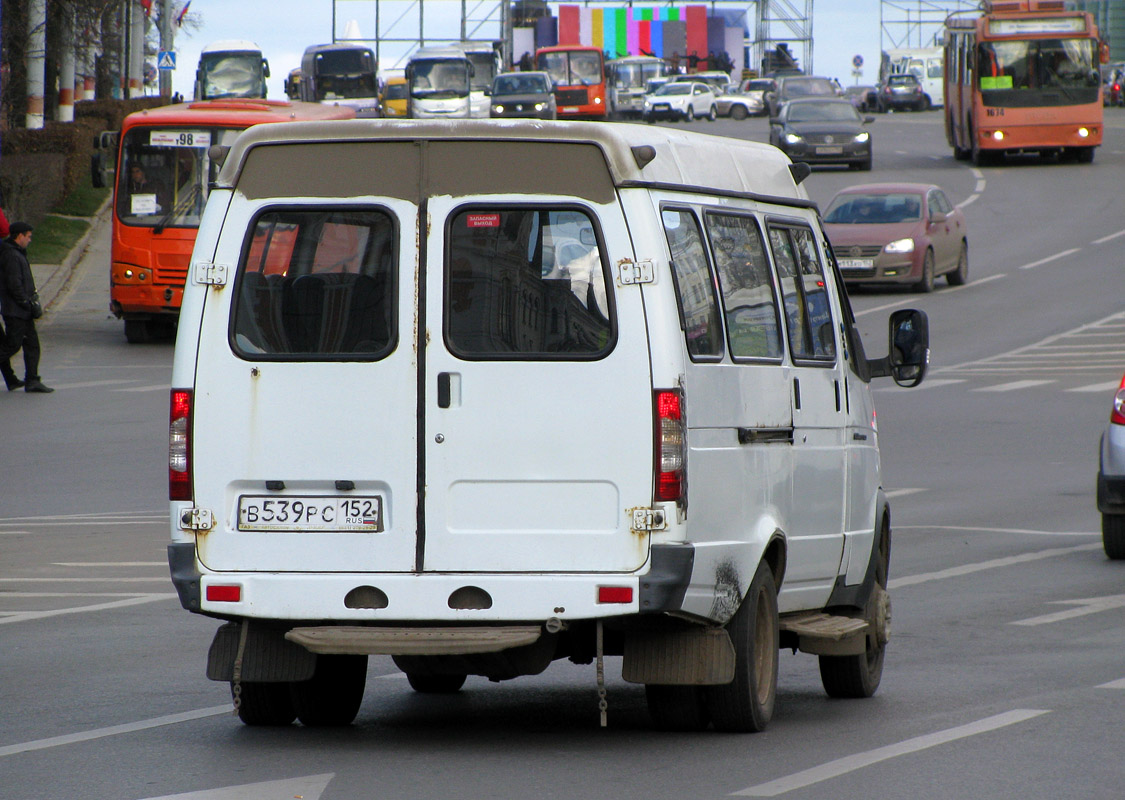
x=811 y=332
x=526 y=282
x=315 y=285
x=695 y=285
x=746 y=284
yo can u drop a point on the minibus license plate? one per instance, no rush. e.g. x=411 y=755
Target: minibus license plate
x=856 y=263
x=313 y=514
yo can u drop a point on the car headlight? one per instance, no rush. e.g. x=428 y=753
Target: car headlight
x=862 y=137
x=540 y=106
x=900 y=246
x=792 y=138
x=499 y=109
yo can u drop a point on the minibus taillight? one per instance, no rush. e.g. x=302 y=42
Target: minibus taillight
x=179 y=446
x=671 y=444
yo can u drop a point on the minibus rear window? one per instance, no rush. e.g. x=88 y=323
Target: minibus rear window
x=316 y=284
x=526 y=283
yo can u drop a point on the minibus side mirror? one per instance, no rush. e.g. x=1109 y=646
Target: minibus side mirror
x=909 y=349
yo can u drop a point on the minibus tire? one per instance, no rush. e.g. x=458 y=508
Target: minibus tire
x=332 y=696
x=676 y=708
x=1113 y=535
x=859 y=676
x=264 y=704
x=435 y=684
x=745 y=705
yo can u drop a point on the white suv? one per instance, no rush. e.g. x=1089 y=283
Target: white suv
x=681 y=100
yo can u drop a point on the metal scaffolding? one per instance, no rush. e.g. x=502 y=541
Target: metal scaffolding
x=782 y=22
x=916 y=23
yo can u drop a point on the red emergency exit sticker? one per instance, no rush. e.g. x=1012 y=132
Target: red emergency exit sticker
x=483 y=220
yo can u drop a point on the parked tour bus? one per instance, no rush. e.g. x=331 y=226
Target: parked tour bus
x=231 y=68
x=452 y=407
x=440 y=83
x=626 y=80
x=293 y=84
x=486 y=66
x=1023 y=77
x=924 y=63
x=341 y=75
x=165 y=165
x=579 y=76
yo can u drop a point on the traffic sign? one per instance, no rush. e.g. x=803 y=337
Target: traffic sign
x=166 y=59
x=857 y=61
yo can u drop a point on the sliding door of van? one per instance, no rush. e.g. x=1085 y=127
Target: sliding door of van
x=537 y=396
x=304 y=442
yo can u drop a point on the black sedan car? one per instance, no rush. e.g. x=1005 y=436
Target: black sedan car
x=522 y=95
x=822 y=131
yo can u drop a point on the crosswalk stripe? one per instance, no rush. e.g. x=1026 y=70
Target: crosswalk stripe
x=1097 y=387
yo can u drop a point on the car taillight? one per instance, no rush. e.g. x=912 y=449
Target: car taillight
x=671 y=445
x=1117 y=416
x=179 y=446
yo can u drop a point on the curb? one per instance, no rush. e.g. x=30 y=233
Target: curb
x=52 y=279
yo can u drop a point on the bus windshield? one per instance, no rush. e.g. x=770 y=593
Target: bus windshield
x=578 y=68
x=1038 y=72
x=231 y=75
x=343 y=74
x=435 y=80
x=164 y=173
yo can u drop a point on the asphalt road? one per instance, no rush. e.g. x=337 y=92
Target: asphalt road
x=1005 y=676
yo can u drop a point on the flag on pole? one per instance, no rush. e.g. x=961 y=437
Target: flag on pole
x=147 y=6
x=183 y=13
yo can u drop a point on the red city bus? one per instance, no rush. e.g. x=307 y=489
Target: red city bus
x=1023 y=78
x=579 y=75
x=164 y=165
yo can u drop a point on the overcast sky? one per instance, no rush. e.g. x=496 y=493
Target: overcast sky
x=283 y=29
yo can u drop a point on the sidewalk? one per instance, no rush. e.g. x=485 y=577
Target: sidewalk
x=51 y=279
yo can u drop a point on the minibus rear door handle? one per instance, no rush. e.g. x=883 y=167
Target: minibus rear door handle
x=443 y=390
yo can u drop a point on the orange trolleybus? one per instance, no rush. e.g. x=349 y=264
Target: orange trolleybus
x=164 y=166
x=1023 y=77
x=578 y=72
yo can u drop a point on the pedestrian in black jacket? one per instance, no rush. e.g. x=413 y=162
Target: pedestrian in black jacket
x=17 y=290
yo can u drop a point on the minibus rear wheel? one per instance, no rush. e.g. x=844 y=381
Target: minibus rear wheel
x=332 y=696
x=745 y=705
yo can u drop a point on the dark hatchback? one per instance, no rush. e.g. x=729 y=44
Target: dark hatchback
x=823 y=131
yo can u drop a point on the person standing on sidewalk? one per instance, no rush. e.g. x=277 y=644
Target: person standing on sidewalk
x=17 y=290
x=10 y=379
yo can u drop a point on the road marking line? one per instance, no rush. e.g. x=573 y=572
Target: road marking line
x=1118 y=684
x=1012 y=386
x=1097 y=387
x=981 y=566
x=968 y=201
x=154 y=387
x=1105 y=239
x=59 y=612
x=979 y=529
x=943 y=291
x=892 y=493
x=1090 y=605
x=83 y=580
x=939 y=382
x=91 y=384
x=111 y=563
x=1048 y=259
x=842 y=766
x=114 y=730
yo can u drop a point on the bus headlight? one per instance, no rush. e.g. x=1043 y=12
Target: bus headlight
x=597 y=101
x=900 y=246
x=998 y=135
x=1083 y=133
